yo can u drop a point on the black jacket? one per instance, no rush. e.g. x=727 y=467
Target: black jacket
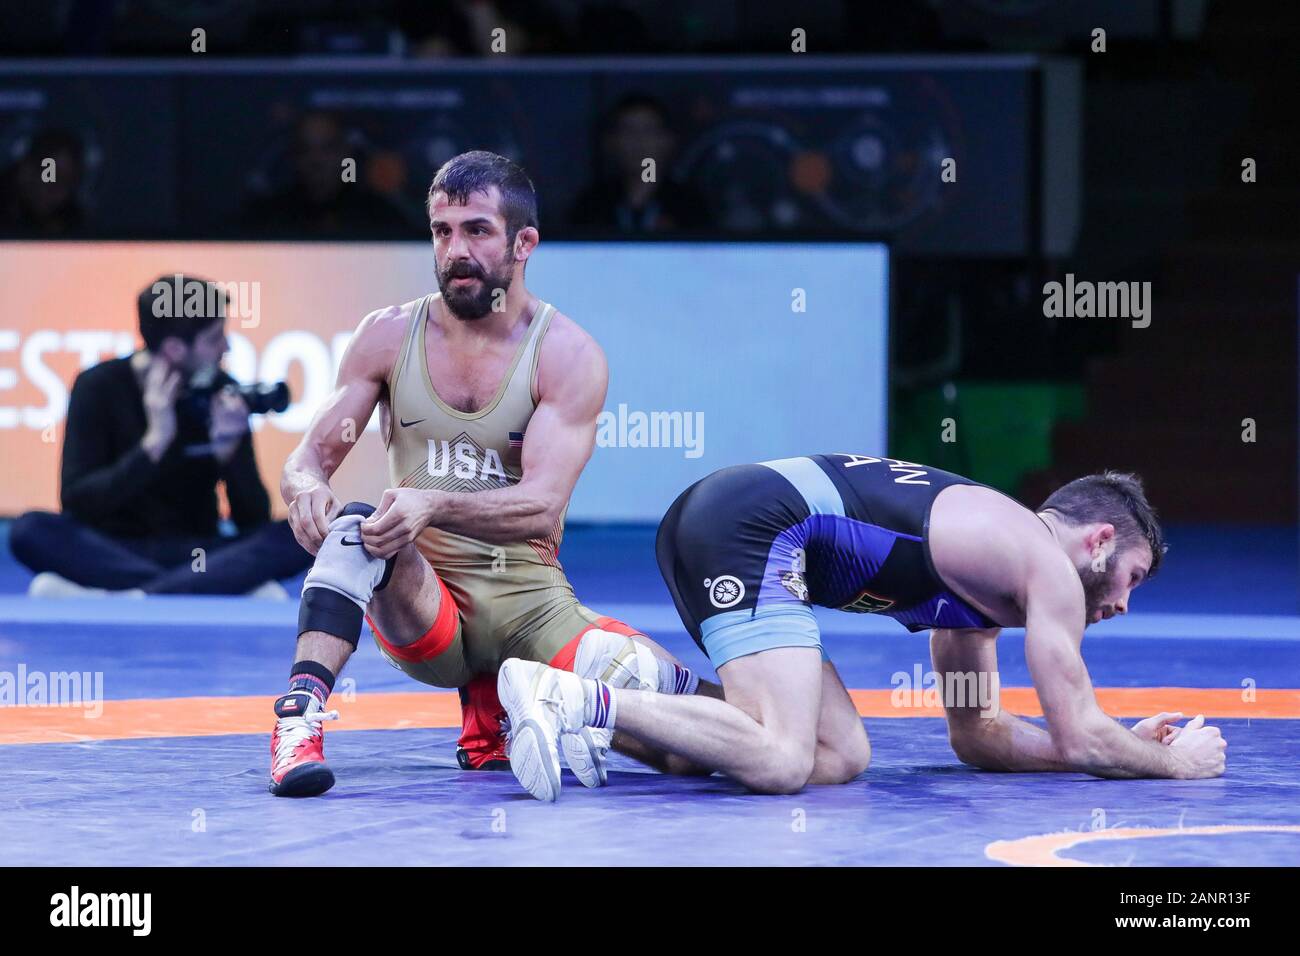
x=110 y=484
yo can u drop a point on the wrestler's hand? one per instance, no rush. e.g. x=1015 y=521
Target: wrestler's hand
x=402 y=514
x=310 y=514
x=1200 y=747
x=1157 y=728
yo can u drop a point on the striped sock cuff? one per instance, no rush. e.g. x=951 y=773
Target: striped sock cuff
x=600 y=705
x=687 y=680
x=675 y=679
x=312 y=685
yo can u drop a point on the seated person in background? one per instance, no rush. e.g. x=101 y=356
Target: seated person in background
x=316 y=201
x=141 y=463
x=625 y=198
x=31 y=204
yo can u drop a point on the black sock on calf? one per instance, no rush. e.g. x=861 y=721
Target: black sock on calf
x=316 y=679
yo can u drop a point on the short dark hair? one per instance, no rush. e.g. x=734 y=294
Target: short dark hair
x=162 y=316
x=1116 y=498
x=478 y=171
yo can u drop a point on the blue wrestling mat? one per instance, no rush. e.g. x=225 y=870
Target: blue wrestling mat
x=173 y=769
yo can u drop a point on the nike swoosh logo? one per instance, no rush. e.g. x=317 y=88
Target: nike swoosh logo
x=939 y=610
x=406 y=424
x=352 y=544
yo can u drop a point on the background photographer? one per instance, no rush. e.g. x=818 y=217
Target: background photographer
x=148 y=438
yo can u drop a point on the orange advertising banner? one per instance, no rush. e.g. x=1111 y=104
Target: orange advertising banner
x=67 y=306
x=670 y=317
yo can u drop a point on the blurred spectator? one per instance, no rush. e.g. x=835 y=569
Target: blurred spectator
x=637 y=129
x=148 y=439
x=317 y=202
x=32 y=206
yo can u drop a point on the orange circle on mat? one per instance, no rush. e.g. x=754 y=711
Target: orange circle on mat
x=1042 y=850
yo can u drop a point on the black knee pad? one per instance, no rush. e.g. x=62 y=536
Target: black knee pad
x=330 y=612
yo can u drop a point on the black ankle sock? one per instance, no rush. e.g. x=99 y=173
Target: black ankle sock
x=315 y=679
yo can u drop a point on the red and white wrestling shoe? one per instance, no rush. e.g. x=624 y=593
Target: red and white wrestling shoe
x=482 y=743
x=485 y=734
x=298 y=767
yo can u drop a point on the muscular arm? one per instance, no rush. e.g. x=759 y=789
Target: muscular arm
x=557 y=445
x=304 y=483
x=981 y=733
x=1084 y=737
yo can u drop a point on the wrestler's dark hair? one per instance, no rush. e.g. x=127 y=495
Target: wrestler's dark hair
x=160 y=317
x=1116 y=498
x=478 y=171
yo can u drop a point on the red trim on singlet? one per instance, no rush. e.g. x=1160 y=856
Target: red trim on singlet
x=435 y=640
x=567 y=654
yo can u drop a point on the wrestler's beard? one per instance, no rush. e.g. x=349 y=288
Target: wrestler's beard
x=473 y=302
x=1096 y=584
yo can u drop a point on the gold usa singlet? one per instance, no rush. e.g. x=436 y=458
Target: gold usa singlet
x=503 y=591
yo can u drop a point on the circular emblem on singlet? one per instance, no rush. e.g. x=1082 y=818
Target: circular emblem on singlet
x=725 y=591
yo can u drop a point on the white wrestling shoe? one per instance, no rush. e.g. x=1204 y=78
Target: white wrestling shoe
x=619 y=661
x=585 y=753
x=541 y=703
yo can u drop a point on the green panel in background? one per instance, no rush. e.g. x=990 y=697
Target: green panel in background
x=1002 y=430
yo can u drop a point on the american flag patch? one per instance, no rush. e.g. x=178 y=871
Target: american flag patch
x=514 y=450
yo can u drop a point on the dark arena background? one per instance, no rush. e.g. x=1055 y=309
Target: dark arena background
x=1019 y=240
